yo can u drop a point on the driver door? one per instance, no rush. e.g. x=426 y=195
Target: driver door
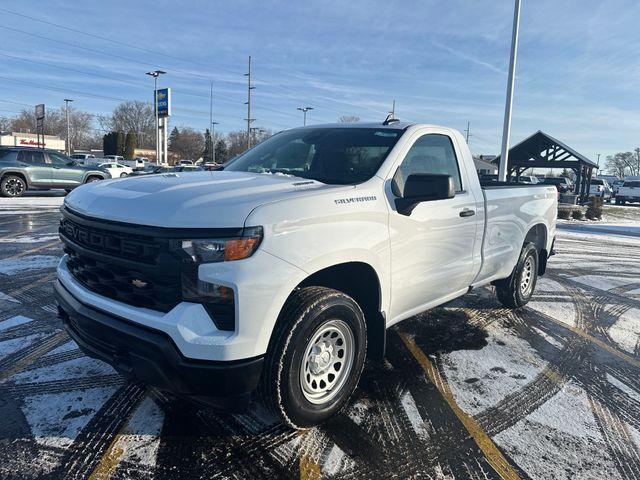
x=432 y=248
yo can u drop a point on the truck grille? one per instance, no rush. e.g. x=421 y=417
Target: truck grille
x=133 y=269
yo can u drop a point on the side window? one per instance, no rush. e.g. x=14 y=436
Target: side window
x=31 y=157
x=431 y=153
x=57 y=159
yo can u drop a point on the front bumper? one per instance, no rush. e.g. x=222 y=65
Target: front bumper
x=151 y=357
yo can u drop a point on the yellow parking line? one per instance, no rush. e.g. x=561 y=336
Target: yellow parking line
x=309 y=468
x=494 y=456
x=604 y=345
x=110 y=460
x=47 y=346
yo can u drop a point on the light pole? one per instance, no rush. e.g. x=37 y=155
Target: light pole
x=305 y=110
x=506 y=129
x=213 y=139
x=155 y=74
x=66 y=111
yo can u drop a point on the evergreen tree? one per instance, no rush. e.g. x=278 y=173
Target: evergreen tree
x=174 y=137
x=120 y=143
x=221 y=151
x=130 y=145
x=207 y=154
x=110 y=143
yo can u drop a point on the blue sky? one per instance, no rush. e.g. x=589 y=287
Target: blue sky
x=578 y=73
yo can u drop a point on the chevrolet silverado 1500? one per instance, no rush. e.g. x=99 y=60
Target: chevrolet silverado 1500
x=282 y=272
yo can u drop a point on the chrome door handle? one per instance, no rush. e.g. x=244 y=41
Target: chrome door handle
x=467 y=213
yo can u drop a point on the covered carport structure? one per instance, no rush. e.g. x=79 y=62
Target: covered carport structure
x=541 y=150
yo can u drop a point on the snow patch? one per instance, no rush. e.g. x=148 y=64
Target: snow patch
x=141 y=435
x=602 y=282
x=410 y=408
x=7 y=298
x=564 y=312
x=480 y=379
x=624 y=387
x=29 y=239
x=77 y=368
x=626 y=331
x=14 y=322
x=33 y=262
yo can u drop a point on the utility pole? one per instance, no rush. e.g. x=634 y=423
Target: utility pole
x=506 y=129
x=155 y=74
x=305 y=110
x=598 y=161
x=467 y=130
x=213 y=140
x=248 y=104
x=66 y=111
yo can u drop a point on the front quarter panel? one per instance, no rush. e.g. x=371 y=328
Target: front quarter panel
x=330 y=227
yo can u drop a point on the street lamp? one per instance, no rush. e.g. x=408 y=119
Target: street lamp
x=305 y=110
x=155 y=74
x=66 y=110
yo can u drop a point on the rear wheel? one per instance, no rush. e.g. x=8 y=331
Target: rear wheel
x=93 y=178
x=516 y=290
x=315 y=357
x=123 y=174
x=12 y=186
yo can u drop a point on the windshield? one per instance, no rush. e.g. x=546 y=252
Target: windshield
x=555 y=181
x=328 y=155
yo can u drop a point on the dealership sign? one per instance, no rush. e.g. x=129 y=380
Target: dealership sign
x=163 y=102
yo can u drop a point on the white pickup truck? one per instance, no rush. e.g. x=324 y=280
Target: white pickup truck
x=629 y=191
x=282 y=272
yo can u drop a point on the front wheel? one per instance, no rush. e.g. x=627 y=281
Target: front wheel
x=123 y=174
x=12 y=186
x=516 y=290
x=315 y=357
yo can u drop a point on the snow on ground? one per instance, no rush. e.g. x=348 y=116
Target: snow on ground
x=13 y=322
x=603 y=282
x=32 y=262
x=77 y=368
x=480 y=379
x=140 y=438
x=626 y=331
x=624 y=387
x=11 y=346
x=38 y=201
x=56 y=419
x=29 y=238
x=560 y=440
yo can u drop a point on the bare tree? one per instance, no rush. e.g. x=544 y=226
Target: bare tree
x=187 y=143
x=5 y=123
x=623 y=163
x=349 y=119
x=132 y=116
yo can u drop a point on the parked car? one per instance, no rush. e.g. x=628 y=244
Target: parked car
x=531 y=180
x=150 y=169
x=563 y=184
x=185 y=162
x=600 y=188
x=135 y=164
x=23 y=168
x=286 y=268
x=629 y=191
x=81 y=157
x=117 y=170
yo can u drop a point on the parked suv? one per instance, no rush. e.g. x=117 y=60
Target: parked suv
x=26 y=167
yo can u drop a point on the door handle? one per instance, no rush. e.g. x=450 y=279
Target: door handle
x=467 y=213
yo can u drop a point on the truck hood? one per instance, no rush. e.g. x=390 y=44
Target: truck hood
x=186 y=199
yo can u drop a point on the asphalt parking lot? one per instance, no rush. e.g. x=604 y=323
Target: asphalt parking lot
x=468 y=390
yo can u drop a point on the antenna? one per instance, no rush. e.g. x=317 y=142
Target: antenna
x=389 y=120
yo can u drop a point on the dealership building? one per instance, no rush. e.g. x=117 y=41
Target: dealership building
x=16 y=139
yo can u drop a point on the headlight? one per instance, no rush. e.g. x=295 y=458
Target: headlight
x=224 y=249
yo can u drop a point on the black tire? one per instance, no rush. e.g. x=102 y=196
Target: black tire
x=93 y=178
x=308 y=311
x=516 y=290
x=12 y=186
x=123 y=174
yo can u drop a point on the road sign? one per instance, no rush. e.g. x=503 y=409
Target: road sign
x=163 y=102
x=40 y=111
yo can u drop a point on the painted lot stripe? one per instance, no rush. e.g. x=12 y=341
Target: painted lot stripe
x=34 y=250
x=494 y=456
x=596 y=341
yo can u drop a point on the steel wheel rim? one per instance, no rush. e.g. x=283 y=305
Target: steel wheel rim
x=14 y=187
x=526 y=280
x=327 y=361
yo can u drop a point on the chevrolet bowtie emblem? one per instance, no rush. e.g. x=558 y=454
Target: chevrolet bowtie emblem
x=138 y=283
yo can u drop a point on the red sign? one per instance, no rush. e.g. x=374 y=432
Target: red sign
x=31 y=143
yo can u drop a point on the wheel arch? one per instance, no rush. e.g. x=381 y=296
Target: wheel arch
x=360 y=281
x=537 y=235
x=17 y=173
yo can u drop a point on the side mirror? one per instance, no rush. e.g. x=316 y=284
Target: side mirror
x=424 y=187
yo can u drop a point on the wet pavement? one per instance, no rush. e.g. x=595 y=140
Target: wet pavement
x=468 y=390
